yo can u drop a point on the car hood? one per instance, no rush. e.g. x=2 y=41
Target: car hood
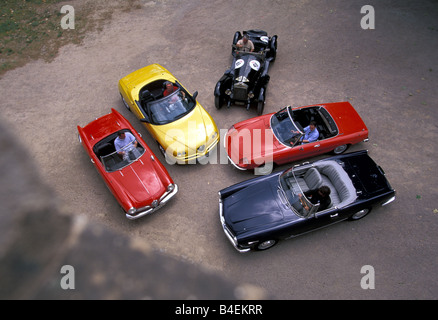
x=192 y=130
x=247 y=68
x=137 y=185
x=253 y=207
x=252 y=139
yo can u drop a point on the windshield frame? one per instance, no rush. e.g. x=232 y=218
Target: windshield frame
x=177 y=105
x=293 y=128
x=119 y=161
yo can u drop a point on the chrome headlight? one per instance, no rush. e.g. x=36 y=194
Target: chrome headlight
x=251 y=95
x=170 y=187
x=228 y=92
x=154 y=204
x=132 y=210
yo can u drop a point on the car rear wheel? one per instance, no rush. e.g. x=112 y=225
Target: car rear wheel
x=260 y=107
x=265 y=245
x=340 y=149
x=360 y=214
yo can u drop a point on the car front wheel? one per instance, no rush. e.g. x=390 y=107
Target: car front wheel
x=265 y=245
x=218 y=102
x=125 y=103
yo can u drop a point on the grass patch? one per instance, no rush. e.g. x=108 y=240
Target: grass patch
x=31 y=29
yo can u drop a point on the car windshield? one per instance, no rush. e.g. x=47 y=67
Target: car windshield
x=292 y=194
x=119 y=159
x=284 y=128
x=170 y=108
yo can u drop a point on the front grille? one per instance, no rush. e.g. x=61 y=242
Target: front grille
x=240 y=91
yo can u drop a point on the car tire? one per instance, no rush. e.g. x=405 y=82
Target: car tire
x=237 y=36
x=265 y=245
x=273 y=47
x=264 y=169
x=360 y=214
x=125 y=103
x=164 y=154
x=260 y=107
x=218 y=102
x=340 y=149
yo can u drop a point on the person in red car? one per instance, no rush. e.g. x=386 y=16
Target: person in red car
x=310 y=133
x=126 y=143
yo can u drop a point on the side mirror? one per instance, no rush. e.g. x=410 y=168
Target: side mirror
x=195 y=94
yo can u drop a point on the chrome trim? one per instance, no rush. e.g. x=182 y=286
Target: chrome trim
x=187 y=157
x=149 y=209
x=388 y=201
x=243 y=169
x=232 y=162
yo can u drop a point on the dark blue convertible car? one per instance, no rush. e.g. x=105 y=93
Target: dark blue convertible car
x=257 y=213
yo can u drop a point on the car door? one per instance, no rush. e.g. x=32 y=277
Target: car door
x=303 y=151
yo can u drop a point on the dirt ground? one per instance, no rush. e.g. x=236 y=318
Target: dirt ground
x=389 y=74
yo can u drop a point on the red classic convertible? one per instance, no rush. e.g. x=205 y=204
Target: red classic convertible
x=134 y=175
x=278 y=138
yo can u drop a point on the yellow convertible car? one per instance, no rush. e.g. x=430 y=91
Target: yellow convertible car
x=182 y=128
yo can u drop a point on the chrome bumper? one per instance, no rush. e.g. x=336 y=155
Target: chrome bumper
x=229 y=158
x=148 y=209
x=388 y=201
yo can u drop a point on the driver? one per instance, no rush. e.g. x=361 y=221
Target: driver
x=125 y=143
x=170 y=88
x=310 y=133
x=245 y=44
x=320 y=195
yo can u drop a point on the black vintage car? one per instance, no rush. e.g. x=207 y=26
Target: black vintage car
x=246 y=80
x=256 y=213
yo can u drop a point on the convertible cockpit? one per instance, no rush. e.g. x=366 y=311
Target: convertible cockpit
x=297 y=180
x=113 y=160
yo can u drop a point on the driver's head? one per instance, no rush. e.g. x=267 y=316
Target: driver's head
x=245 y=38
x=121 y=134
x=324 y=191
x=168 y=86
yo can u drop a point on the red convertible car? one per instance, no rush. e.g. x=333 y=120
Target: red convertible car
x=134 y=175
x=277 y=138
